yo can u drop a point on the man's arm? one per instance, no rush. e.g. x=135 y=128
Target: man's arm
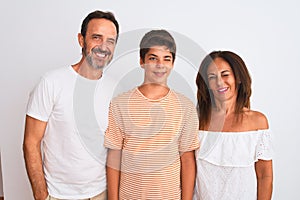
x=34 y=132
x=113 y=173
x=188 y=174
x=264 y=174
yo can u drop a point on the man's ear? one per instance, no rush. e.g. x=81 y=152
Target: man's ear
x=80 y=40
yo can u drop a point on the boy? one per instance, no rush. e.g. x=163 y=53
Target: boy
x=152 y=131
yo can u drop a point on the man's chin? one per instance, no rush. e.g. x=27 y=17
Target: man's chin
x=100 y=65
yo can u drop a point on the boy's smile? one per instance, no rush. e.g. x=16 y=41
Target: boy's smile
x=157 y=64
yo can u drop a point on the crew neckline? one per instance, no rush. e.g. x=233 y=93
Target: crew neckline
x=153 y=100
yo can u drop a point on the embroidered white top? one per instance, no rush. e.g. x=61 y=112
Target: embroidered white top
x=225 y=164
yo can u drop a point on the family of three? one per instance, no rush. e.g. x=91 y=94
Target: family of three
x=157 y=144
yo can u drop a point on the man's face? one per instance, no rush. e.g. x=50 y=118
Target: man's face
x=157 y=64
x=99 y=42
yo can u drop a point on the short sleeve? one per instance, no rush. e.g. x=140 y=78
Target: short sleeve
x=41 y=101
x=113 y=133
x=264 y=149
x=189 y=135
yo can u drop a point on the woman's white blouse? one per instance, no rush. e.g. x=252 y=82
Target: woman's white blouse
x=225 y=164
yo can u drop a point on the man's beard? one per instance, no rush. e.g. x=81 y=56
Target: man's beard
x=92 y=61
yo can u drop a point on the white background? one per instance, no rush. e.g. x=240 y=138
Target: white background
x=37 y=36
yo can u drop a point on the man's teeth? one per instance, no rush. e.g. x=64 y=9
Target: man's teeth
x=101 y=55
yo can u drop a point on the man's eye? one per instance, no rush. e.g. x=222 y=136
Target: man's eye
x=152 y=58
x=112 y=42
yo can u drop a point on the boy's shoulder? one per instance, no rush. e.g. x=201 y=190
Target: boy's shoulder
x=184 y=99
x=123 y=96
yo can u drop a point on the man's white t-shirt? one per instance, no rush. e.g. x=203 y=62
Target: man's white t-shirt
x=76 y=112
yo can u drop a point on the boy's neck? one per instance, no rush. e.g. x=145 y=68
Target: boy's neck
x=154 y=91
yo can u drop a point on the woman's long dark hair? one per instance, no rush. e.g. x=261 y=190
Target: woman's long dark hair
x=205 y=98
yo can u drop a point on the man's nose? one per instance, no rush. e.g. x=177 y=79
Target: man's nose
x=102 y=45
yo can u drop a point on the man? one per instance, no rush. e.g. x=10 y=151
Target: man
x=152 y=132
x=68 y=169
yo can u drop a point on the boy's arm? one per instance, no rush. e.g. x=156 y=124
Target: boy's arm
x=188 y=174
x=113 y=173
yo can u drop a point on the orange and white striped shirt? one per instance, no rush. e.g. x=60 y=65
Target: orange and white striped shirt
x=151 y=135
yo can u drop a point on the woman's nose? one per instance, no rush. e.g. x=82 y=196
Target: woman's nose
x=219 y=81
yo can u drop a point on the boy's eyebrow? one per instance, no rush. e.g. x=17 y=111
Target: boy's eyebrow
x=151 y=54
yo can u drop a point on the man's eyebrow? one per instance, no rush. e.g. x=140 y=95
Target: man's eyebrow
x=112 y=39
x=96 y=34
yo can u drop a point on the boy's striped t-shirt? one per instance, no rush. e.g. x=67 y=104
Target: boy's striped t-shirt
x=151 y=135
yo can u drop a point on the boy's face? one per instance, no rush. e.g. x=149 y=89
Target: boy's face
x=157 y=64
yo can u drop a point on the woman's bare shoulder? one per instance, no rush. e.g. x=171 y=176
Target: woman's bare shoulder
x=257 y=119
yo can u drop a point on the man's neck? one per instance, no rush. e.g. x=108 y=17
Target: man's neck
x=87 y=71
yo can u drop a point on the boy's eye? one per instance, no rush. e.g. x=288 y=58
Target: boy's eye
x=152 y=58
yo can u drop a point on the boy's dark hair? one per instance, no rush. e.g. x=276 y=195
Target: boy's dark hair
x=98 y=15
x=157 y=38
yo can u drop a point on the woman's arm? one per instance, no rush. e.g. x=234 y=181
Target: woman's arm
x=264 y=175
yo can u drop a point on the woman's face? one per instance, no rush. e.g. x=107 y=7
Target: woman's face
x=221 y=80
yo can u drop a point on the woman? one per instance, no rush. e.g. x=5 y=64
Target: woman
x=234 y=160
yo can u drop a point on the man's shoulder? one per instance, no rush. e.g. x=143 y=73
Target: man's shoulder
x=58 y=74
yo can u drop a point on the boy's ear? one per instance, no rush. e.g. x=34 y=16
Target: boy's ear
x=141 y=63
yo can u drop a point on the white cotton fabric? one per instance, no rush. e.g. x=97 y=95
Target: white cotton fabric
x=71 y=170
x=225 y=164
